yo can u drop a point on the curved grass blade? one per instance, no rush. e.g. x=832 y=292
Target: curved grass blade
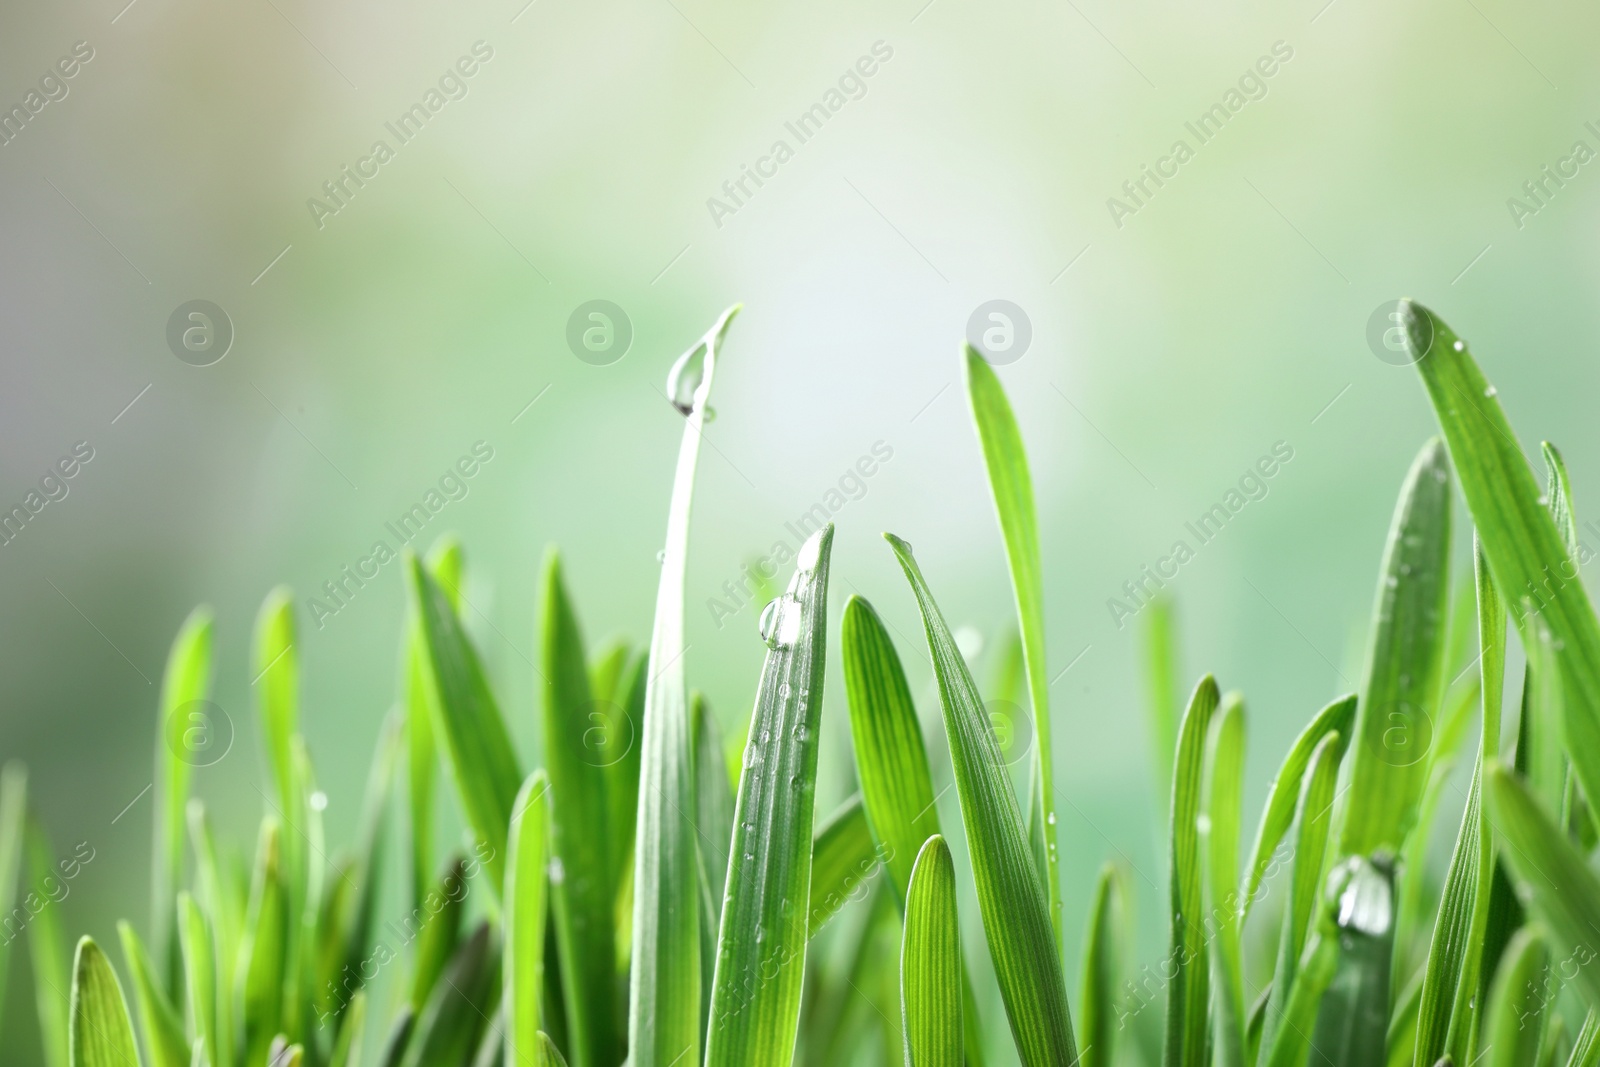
x=1011 y=898
x=1104 y=963
x=1189 y=991
x=1520 y=538
x=761 y=945
x=164 y=1042
x=1352 y=1019
x=1400 y=1039
x=46 y=948
x=664 y=1002
x=547 y=1055
x=1161 y=674
x=583 y=898
x=1510 y=1037
x=525 y=916
x=200 y=972
x=13 y=830
x=185 y=725
x=843 y=858
x=930 y=962
x=446 y=561
x=1009 y=481
x=347 y=1046
x=1313 y=819
x=476 y=743
x=1219 y=841
x=1404 y=664
x=456 y=1014
x=1283 y=796
x=102 y=1032
x=263 y=949
x=1586 y=1046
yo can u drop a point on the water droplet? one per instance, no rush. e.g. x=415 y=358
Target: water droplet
x=780 y=622
x=1544 y=500
x=1391 y=581
x=1202 y=823
x=1490 y=391
x=1460 y=346
x=319 y=801
x=661 y=556
x=683 y=381
x=969 y=641
x=1050 y=820
x=711 y=414
x=783 y=690
x=558 y=873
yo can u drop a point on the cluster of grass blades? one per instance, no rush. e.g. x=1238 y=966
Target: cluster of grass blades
x=642 y=899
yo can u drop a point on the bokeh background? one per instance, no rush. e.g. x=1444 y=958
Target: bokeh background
x=1167 y=353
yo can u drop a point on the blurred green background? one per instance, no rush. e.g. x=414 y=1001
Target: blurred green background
x=1228 y=313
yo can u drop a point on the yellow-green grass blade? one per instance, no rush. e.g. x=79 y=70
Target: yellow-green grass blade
x=1007 y=464
x=102 y=1032
x=1393 y=731
x=275 y=666
x=347 y=1046
x=664 y=1001
x=437 y=928
x=1586 y=1046
x=1011 y=897
x=263 y=950
x=1160 y=652
x=1577 y=815
x=447 y=563
x=1313 y=819
x=930 y=962
x=476 y=744
x=225 y=914
x=1104 y=965
x=547 y=1055
x=457 y=1013
x=46 y=947
x=13 y=833
x=1525 y=549
x=1219 y=842
x=164 y=1041
x=200 y=974
x=582 y=899
x=843 y=858
x=1291 y=1045
x=183 y=728
x=1189 y=989
x=1352 y=1019
x=755 y=999
x=525 y=915
x=1514 y=1015
x=1283 y=796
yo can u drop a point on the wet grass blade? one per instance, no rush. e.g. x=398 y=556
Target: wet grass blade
x=1219 y=841
x=446 y=561
x=164 y=1042
x=1393 y=731
x=930 y=962
x=583 y=898
x=1104 y=964
x=1011 y=898
x=525 y=916
x=1007 y=464
x=476 y=743
x=263 y=949
x=664 y=1002
x=1283 y=796
x=1189 y=990
x=102 y=1032
x=755 y=1002
x=46 y=948
x=1161 y=685
x=1353 y=1017
x=843 y=858
x=184 y=727
x=1510 y=1037
x=200 y=972
x=13 y=834
x=1525 y=549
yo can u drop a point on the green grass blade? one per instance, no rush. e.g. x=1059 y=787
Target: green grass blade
x=1011 y=898
x=1104 y=964
x=664 y=1002
x=1283 y=796
x=1448 y=966
x=1389 y=765
x=263 y=950
x=1189 y=990
x=456 y=1015
x=1219 y=841
x=200 y=973
x=1352 y=1019
x=347 y=1046
x=525 y=916
x=164 y=1042
x=46 y=948
x=843 y=858
x=755 y=1002
x=1525 y=549
x=446 y=562
x=1314 y=971
x=930 y=962
x=1513 y=1018
x=1313 y=820
x=102 y=1032
x=547 y=1055
x=226 y=917
x=622 y=760
x=713 y=801
x=1161 y=685
x=476 y=744
x=438 y=930
x=183 y=727
x=276 y=668
x=1586 y=1046
x=1007 y=463
x=13 y=832
x=583 y=898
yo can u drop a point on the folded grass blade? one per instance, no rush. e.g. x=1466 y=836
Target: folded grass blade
x=525 y=916
x=164 y=1042
x=185 y=726
x=547 y=1054
x=1104 y=964
x=1011 y=897
x=930 y=962
x=664 y=1002
x=46 y=948
x=1219 y=841
x=102 y=1032
x=1189 y=990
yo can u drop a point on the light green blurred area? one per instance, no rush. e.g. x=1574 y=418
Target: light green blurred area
x=1229 y=313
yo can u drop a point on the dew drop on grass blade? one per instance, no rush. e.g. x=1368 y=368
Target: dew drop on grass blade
x=930 y=962
x=664 y=1001
x=1011 y=896
x=102 y=1032
x=1189 y=989
x=525 y=915
x=1352 y=1019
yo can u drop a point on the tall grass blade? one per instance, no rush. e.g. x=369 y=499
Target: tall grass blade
x=439 y=929
x=1219 y=841
x=347 y=1046
x=1011 y=897
x=1161 y=692
x=714 y=804
x=350 y=907
x=1104 y=964
x=13 y=833
x=263 y=949
x=46 y=948
x=457 y=1012
x=275 y=667
x=102 y=1032
x=930 y=962
x=476 y=743
x=1012 y=487
x=223 y=910
x=200 y=972
x=525 y=916
x=843 y=858
x=164 y=1042
x=761 y=945
x=1189 y=988
x=1586 y=1046
x=664 y=1003
x=622 y=760
x=1513 y=1022
x=1352 y=1019
x=1393 y=731
x=184 y=728
x=1448 y=952
x=547 y=1055
x=446 y=562
x=1291 y=1044
x=583 y=898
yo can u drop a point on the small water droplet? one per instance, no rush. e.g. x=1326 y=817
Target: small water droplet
x=319 y=801
x=1050 y=820
x=711 y=414
x=1391 y=581
x=1544 y=500
x=661 y=556
x=1460 y=346
x=780 y=622
x=558 y=873
x=1202 y=823
x=1490 y=391
x=683 y=381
